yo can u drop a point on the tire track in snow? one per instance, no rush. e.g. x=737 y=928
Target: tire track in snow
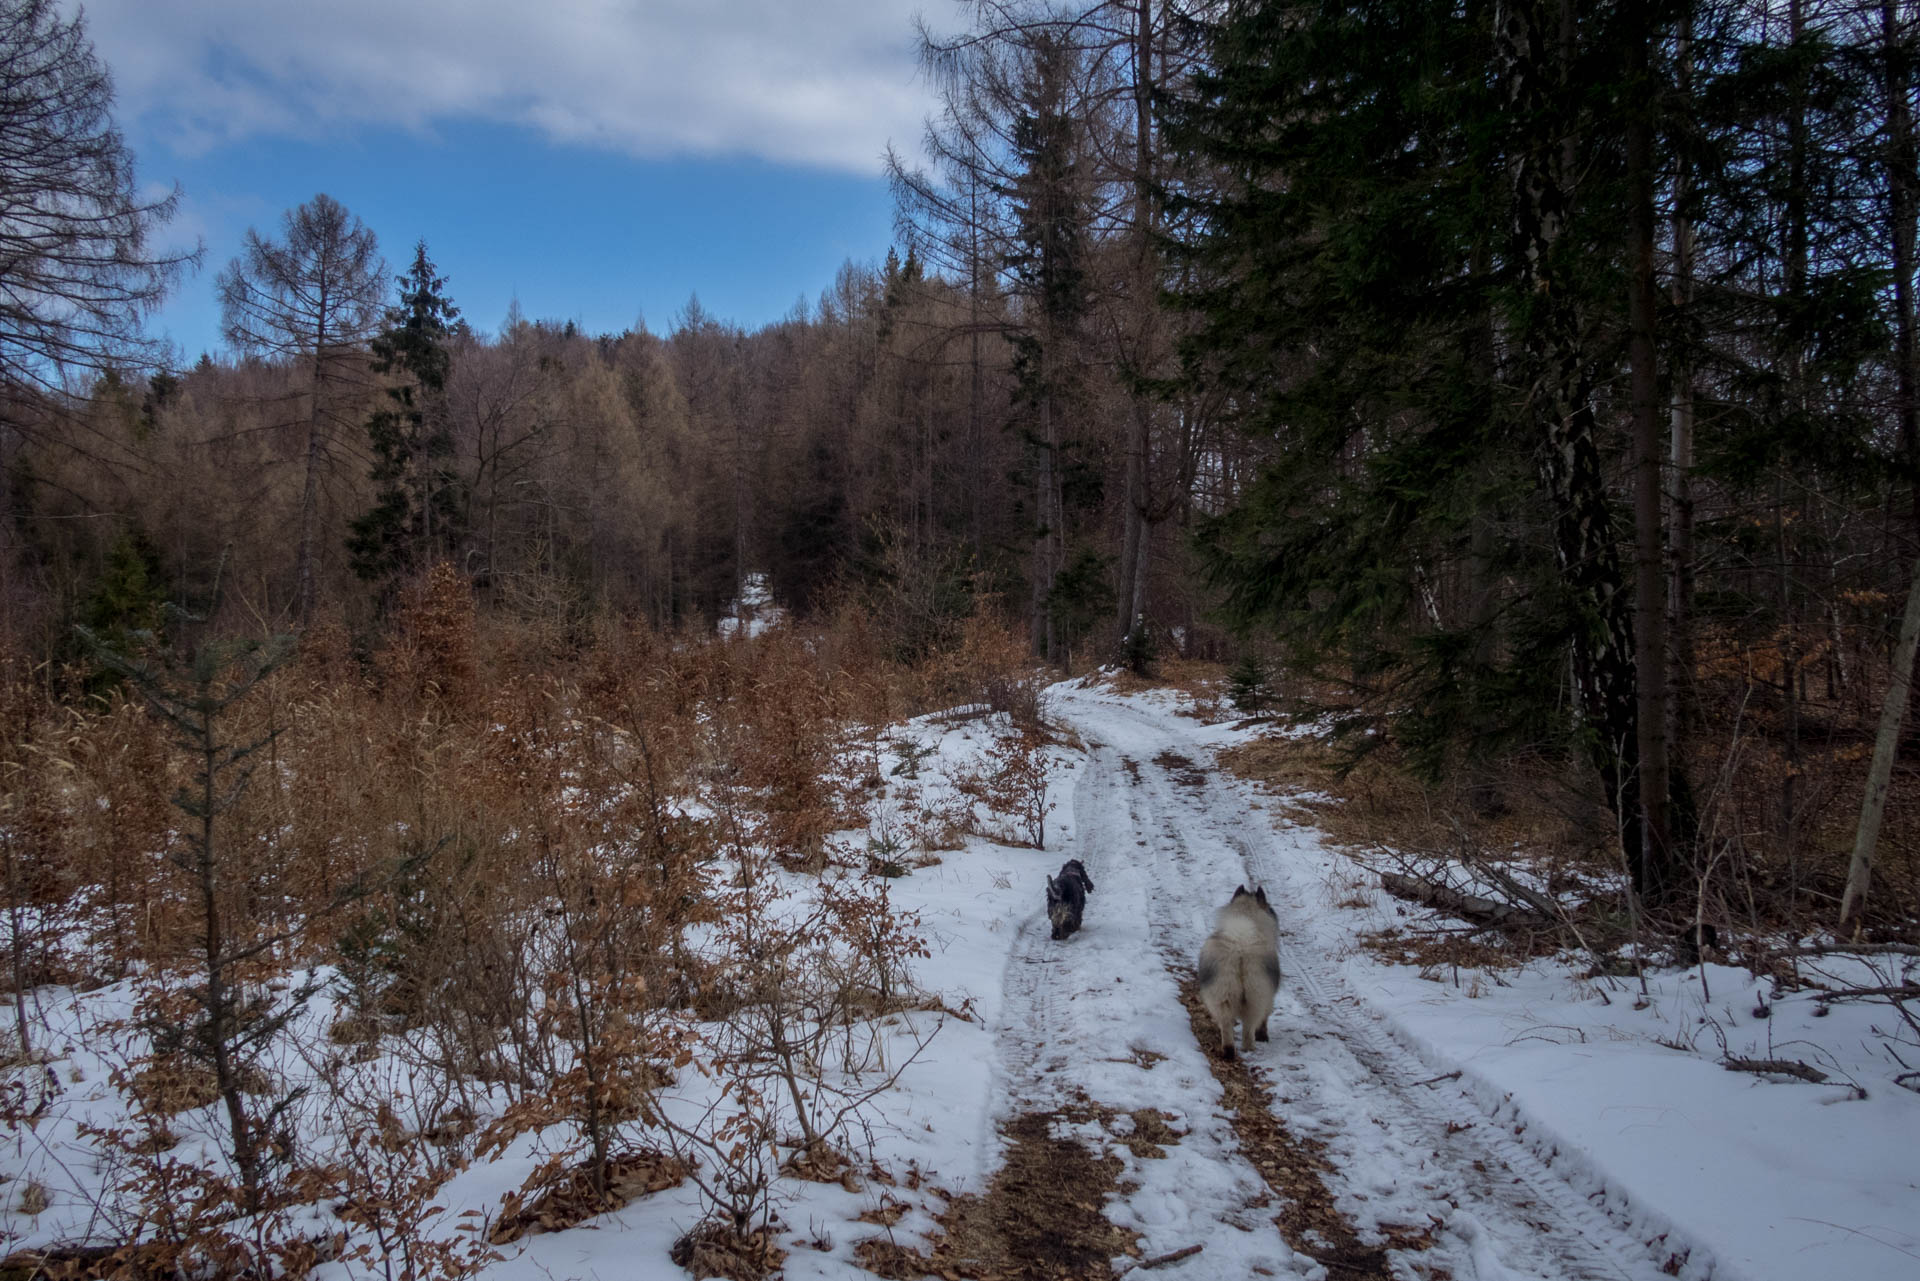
x=1331 y=1059
x=1088 y=1032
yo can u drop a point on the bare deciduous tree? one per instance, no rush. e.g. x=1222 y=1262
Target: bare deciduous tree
x=77 y=273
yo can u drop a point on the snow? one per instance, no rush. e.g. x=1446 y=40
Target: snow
x=751 y=613
x=1588 y=1131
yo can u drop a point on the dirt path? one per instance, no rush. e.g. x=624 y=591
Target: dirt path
x=1336 y=1143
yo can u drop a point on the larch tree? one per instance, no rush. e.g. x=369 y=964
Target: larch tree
x=1049 y=261
x=312 y=297
x=1127 y=54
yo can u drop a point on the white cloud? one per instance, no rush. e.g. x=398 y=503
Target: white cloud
x=821 y=83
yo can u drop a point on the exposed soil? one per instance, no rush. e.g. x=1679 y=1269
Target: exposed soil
x=1040 y=1219
x=1181 y=769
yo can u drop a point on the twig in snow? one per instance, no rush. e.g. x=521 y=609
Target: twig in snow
x=1776 y=1067
x=1162 y=1260
x=1444 y=1076
x=1906 y=992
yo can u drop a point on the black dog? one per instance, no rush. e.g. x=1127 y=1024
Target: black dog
x=1067 y=898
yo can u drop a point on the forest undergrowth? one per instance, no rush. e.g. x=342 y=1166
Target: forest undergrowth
x=351 y=922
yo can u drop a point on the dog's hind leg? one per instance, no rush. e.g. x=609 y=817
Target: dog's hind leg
x=1262 y=1009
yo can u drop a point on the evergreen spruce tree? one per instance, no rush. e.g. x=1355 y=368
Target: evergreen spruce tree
x=1342 y=250
x=1408 y=260
x=1247 y=684
x=129 y=597
x=415 y=513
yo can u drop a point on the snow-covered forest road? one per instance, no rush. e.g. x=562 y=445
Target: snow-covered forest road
x=1408 y=1160
x=1042 y=1110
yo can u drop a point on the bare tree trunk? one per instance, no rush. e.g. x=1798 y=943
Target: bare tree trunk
x=1903 y=199
x=1903 y=208
x=1649 y=617
x=976 y=442
x=305 y=590
x=1133 y=549
x=1680 y=446
x=1886 y=746
x=1043 y=568
x=1797 y=217
x=1535 y=72
x=1138 y=587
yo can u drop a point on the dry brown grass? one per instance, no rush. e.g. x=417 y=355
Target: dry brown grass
x=169 y=1087
x=1377 y=802
x=1202 y=680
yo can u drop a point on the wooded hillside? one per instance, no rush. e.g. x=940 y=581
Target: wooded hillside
x=1522 y=384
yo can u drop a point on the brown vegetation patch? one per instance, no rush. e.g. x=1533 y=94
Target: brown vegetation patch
x=715 y=1250
x=149 y=1262
x=1039 y=1220
x=355 y=1029
x=889 y=1212
x=1142 y=1058
x=1761 y=873
x=1375 y=801
x=169 y=1086
x=1296 y=1170
x=819 y=1163
x=571 y=1198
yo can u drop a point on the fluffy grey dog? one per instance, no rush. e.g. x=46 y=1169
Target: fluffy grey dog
x=1067 y=897
x=1240 y=968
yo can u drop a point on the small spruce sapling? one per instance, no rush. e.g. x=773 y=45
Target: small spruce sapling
x=1247 y=684
x=1138 y=649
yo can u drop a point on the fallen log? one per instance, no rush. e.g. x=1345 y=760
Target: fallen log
x=1540 y=903
x=1471 y=906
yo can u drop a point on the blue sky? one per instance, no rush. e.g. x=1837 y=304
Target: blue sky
x=600 y=160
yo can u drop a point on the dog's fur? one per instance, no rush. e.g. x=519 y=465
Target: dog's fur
x=1067 y=897
x=1240 y=968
